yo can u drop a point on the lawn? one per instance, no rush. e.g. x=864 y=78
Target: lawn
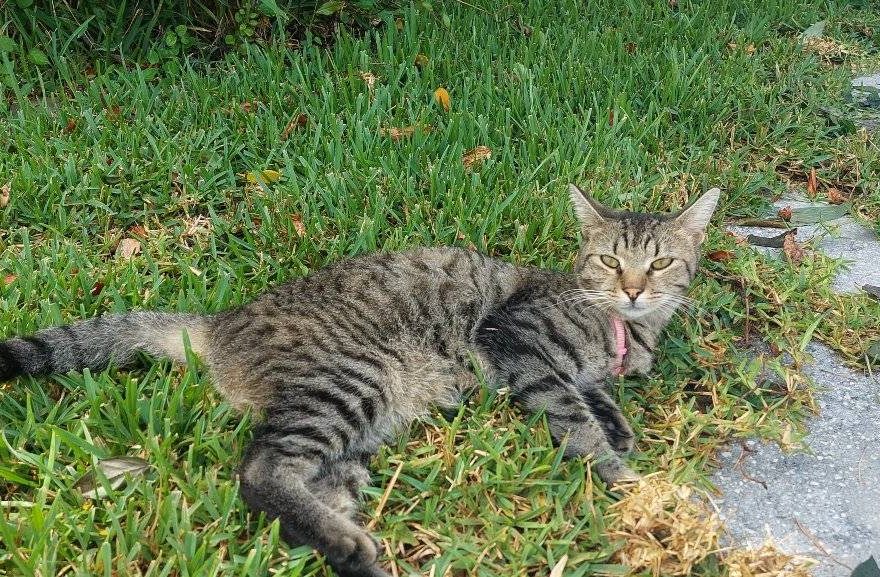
x=197 y=190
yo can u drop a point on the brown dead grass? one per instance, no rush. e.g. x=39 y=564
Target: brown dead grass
x=668 y=529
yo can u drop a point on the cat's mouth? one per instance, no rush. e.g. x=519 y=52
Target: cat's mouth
x=633 y=309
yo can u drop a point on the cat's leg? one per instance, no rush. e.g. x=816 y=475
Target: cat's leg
x=570 y=418
x=617 y=429
x=338 y=483
x=275 y=478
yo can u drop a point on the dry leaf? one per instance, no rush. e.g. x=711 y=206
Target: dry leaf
x=298 y=121
x=298 y=225
x=138 y=230
x=5 y=192
x=720 y=255
x=835 y=196
x=784 y=213
x=197 y=226
x=369 y=79
x=812 y=184
x=404 y=132
x=737 y=238
x=267 y=176
x=421 y=61
x=442 y=97
x=249 y=106
x=475 y=156
x=611 y=118
x=559 y=567
x=128 y=247
x=96 y=288
x=71 y=126
x=9 y=279
x=750 y=49
x=115 y=469
x=793 y=251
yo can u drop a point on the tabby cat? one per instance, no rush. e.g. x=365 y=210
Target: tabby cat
x=337 y=361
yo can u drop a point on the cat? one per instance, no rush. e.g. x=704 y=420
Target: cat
x=337 y=361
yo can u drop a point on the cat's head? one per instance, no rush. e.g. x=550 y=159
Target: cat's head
x=637 y=263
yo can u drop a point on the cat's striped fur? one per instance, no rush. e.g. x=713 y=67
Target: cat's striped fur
x=338 y=360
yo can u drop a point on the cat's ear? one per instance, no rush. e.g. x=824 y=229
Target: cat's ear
x=589 y=212
x=695 y=218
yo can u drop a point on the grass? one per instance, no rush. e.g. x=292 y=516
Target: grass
x=639 y=102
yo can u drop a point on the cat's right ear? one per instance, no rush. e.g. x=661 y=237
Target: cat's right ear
x=590 y=213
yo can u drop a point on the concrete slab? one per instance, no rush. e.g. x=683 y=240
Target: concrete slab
x=826 y=503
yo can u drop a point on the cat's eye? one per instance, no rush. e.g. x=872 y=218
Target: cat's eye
x=661 y=263
x=609 y=261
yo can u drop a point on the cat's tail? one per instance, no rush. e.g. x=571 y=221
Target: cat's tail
x=97 y=342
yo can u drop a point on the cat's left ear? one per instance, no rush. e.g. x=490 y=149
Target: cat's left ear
x=590 y=212
x=695 y=218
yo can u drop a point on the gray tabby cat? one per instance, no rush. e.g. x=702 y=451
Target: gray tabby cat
x=339 y=360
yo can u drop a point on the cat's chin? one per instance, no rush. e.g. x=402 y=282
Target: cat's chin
x=632 y=313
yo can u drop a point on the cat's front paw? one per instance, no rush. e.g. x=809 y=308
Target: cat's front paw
x=615 y=472
x=619 y=434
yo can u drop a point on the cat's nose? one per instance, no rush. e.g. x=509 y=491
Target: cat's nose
x=633 y=293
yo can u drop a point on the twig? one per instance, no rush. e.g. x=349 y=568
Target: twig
x=818 y=544
x=384 y=498
x=760 y=222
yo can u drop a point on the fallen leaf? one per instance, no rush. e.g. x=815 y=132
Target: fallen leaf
x=9 y=279
x=138 y=230
x=821 y=213
x=298 y=121
x=369 y=79
x=128 y=247
x=793 y=251
x=476 y=155
x=71 y=126
x=770 y=241
x=873 y=291
x=867 y=568
x=404 y=132
x=249 y=106
x=96 y=288
x=115 y=469
x=750 y=49
x=113 y=112
x=737 y=238
x=442 y=97
x=298 y=225
x=812 y=184
x=720 y=255
x=421 y=61
x=5 y=192
x=559 y=567
x=814 y=31
x=835 y=196
x=784 y=213
x=874 y=351
x=267 y=176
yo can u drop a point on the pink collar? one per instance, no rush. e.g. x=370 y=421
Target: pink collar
x=620 y=343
